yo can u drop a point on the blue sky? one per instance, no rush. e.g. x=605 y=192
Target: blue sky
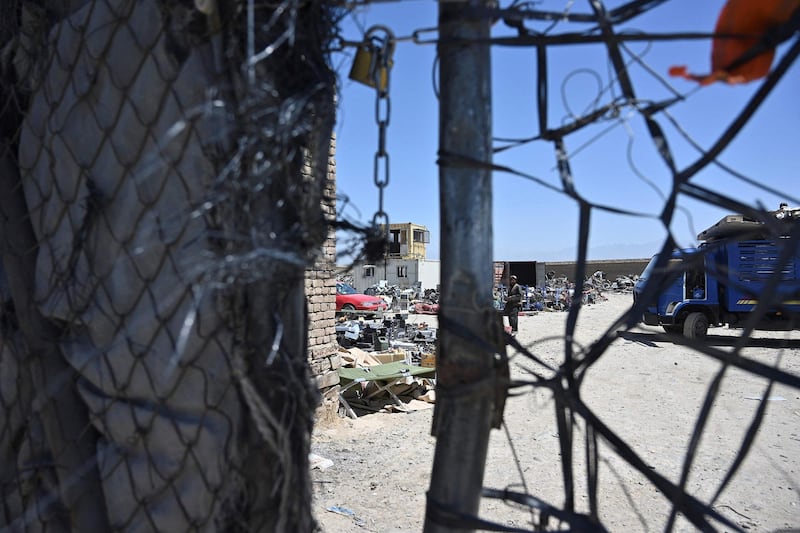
x=613 y=162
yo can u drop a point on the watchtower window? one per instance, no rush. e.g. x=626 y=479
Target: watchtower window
x=422 y=236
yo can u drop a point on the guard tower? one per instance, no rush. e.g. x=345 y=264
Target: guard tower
x=407 y=241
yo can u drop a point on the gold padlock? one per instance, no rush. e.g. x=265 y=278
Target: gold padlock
x=373 y=59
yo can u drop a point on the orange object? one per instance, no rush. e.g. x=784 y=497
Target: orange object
x=751 y=19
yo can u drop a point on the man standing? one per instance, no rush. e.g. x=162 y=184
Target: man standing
x=513 y=304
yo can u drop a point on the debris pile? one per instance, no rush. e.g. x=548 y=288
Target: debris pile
x=397 y=298
x=387 y=333
x=384 y=381
x=412 y=299
x=559 y=292
x=387 y=363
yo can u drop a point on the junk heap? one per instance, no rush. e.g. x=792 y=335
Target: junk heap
x=559 y=292
x=387 y=363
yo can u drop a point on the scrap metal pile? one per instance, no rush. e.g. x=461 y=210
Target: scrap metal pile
x=559 y=292
x=387 y=364
x=412 y=299
x=390 y=332
x=427 y=305
x=598 y=282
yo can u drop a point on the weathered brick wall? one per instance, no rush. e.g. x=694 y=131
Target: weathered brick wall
x=321 y=295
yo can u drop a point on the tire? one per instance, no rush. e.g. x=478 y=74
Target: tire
x=348 y=307
x=673 y=328
x=695 y=326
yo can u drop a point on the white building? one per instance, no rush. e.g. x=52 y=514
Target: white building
x=420 y=274
x=404 y=264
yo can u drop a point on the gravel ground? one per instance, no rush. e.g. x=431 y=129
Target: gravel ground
x=645 y=388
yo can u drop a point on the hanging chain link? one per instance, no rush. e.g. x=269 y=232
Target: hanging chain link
x=379 y=71
x=371 y=66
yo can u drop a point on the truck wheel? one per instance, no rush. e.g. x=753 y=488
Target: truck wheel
x=695 y=326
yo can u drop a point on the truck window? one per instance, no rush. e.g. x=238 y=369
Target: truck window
x=695 y=284
x=673 y=265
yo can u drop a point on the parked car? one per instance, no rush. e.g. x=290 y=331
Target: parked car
x=348 y=299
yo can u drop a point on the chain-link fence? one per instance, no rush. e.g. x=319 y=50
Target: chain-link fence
x=765 y=276
x=163 y=167
x=634 y=97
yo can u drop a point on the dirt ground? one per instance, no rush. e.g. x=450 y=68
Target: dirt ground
x=645 y=388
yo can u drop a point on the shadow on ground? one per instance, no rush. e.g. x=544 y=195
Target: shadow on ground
x=651 y=340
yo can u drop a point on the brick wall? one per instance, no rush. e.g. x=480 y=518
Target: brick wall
x=321 y=296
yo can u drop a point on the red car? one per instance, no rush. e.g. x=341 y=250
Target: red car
x=348 y=299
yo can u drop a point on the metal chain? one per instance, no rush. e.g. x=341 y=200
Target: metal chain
x=380 y=71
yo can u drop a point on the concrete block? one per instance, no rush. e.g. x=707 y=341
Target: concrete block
x=327 y=379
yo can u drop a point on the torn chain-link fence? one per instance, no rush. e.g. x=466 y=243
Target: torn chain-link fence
x=163 y=168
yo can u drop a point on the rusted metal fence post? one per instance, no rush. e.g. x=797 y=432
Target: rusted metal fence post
x=468 y=322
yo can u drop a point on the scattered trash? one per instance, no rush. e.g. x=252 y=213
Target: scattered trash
x=770 y=399
x=344 y=511
x=338 y=509
x=319 y=462
x=409 y=407
x=429 y=397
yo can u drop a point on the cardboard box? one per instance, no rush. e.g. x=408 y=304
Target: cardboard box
x=428 y=360
x=389 y=357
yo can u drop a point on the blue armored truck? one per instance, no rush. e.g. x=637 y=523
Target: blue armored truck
x=744 y=273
